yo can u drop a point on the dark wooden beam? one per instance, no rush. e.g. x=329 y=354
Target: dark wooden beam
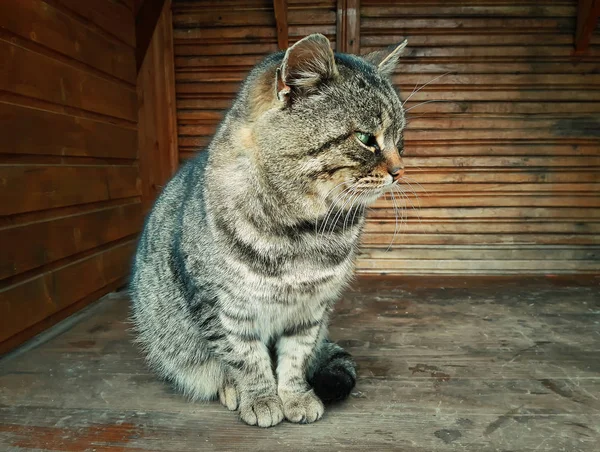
x=588 y=12
x=280 y=7
x=145 y=23
x=348 y=26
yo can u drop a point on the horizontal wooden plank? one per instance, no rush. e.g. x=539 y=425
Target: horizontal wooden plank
x=489 y=52
x=589 y=162
x=466 y=10
x=32 y=245
x=62 y=135
x=508 y=95
x=494 y=148
x=504 y=108
x=563 y=125
x=26 y=303
x=224 y=18
x=565 y=134
x=312 y=16
x=220 y=49
x=430 y=25
x=385 y=210
x=490 y=267
x=479 y=227
x=504 y=199
x=375 y=38
x=495 y=178
x=30 y=332
x=412 y=188
x=44 y=24
x=113 y=17
x=34 y=75
x=211 y=61
x=224 y=35
x=402 y=239
x=57 y=186
x=182 y=6
x=502 y=253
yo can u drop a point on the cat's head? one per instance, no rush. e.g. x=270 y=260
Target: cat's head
x=333 y=124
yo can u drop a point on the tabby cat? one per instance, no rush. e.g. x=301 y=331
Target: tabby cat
x=251 y=243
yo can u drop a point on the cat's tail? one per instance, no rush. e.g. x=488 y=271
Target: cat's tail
x=332 y=373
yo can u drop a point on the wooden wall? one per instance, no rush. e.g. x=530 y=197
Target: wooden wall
x=506 y=162
x=157 y=122
x=70 y=185
x=216 y=45
x=504 y=166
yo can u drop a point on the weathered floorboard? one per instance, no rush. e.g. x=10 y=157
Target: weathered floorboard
x=473 y=364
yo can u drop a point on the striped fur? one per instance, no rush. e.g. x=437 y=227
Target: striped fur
x=251 y=243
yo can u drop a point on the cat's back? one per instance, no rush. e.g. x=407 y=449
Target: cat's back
x=182 y=197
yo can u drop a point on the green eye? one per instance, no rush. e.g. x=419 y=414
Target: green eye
x=363 y=137
x=367 y=139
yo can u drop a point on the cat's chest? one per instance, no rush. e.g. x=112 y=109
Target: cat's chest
x=275 y=319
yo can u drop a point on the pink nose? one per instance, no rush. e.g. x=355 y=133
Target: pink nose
x=396 y=172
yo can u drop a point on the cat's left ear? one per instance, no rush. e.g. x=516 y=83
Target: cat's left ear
x=306 y=65
x=386 y=60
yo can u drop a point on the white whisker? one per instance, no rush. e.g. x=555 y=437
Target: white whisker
x=357 y=196
x=423 y=103
x=341 y=210
x=332 y=207
x=430 y=81
x=395 y=220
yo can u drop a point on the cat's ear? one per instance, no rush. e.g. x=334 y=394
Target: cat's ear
x=386 y=59
x=306 y=65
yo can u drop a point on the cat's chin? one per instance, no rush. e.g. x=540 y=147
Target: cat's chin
x=373 y=195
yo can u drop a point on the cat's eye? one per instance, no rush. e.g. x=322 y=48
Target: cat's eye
x=367 y=139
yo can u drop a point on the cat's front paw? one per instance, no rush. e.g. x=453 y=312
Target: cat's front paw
x=303 y=407
x=264 y=411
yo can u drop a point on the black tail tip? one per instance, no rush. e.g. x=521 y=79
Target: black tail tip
x=333 y=383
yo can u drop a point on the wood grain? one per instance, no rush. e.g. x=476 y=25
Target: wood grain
x=157 y=123
x=33 y=300
x=71 y=186
x=510 y=133
x=49 y=26
x=62 y=134
x=113 y=17
x=32 y=74
x=57 y=186
x=471 y=363
x=280 y=8
x=32 y=245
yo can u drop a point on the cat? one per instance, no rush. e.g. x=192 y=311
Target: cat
x=251 y=243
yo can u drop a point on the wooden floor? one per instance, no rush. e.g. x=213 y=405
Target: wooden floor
x=469 y=364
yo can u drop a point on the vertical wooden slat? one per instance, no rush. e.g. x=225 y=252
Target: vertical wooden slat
x=157 y=145
x=348 y=26
x=588 y=12
x=145 y=22
x=280 y=8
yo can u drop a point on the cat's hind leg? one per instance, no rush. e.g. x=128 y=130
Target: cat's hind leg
x=228 y=395
x=200 y=381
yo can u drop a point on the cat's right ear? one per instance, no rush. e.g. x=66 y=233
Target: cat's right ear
x=386 y=59
x=305 y=66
